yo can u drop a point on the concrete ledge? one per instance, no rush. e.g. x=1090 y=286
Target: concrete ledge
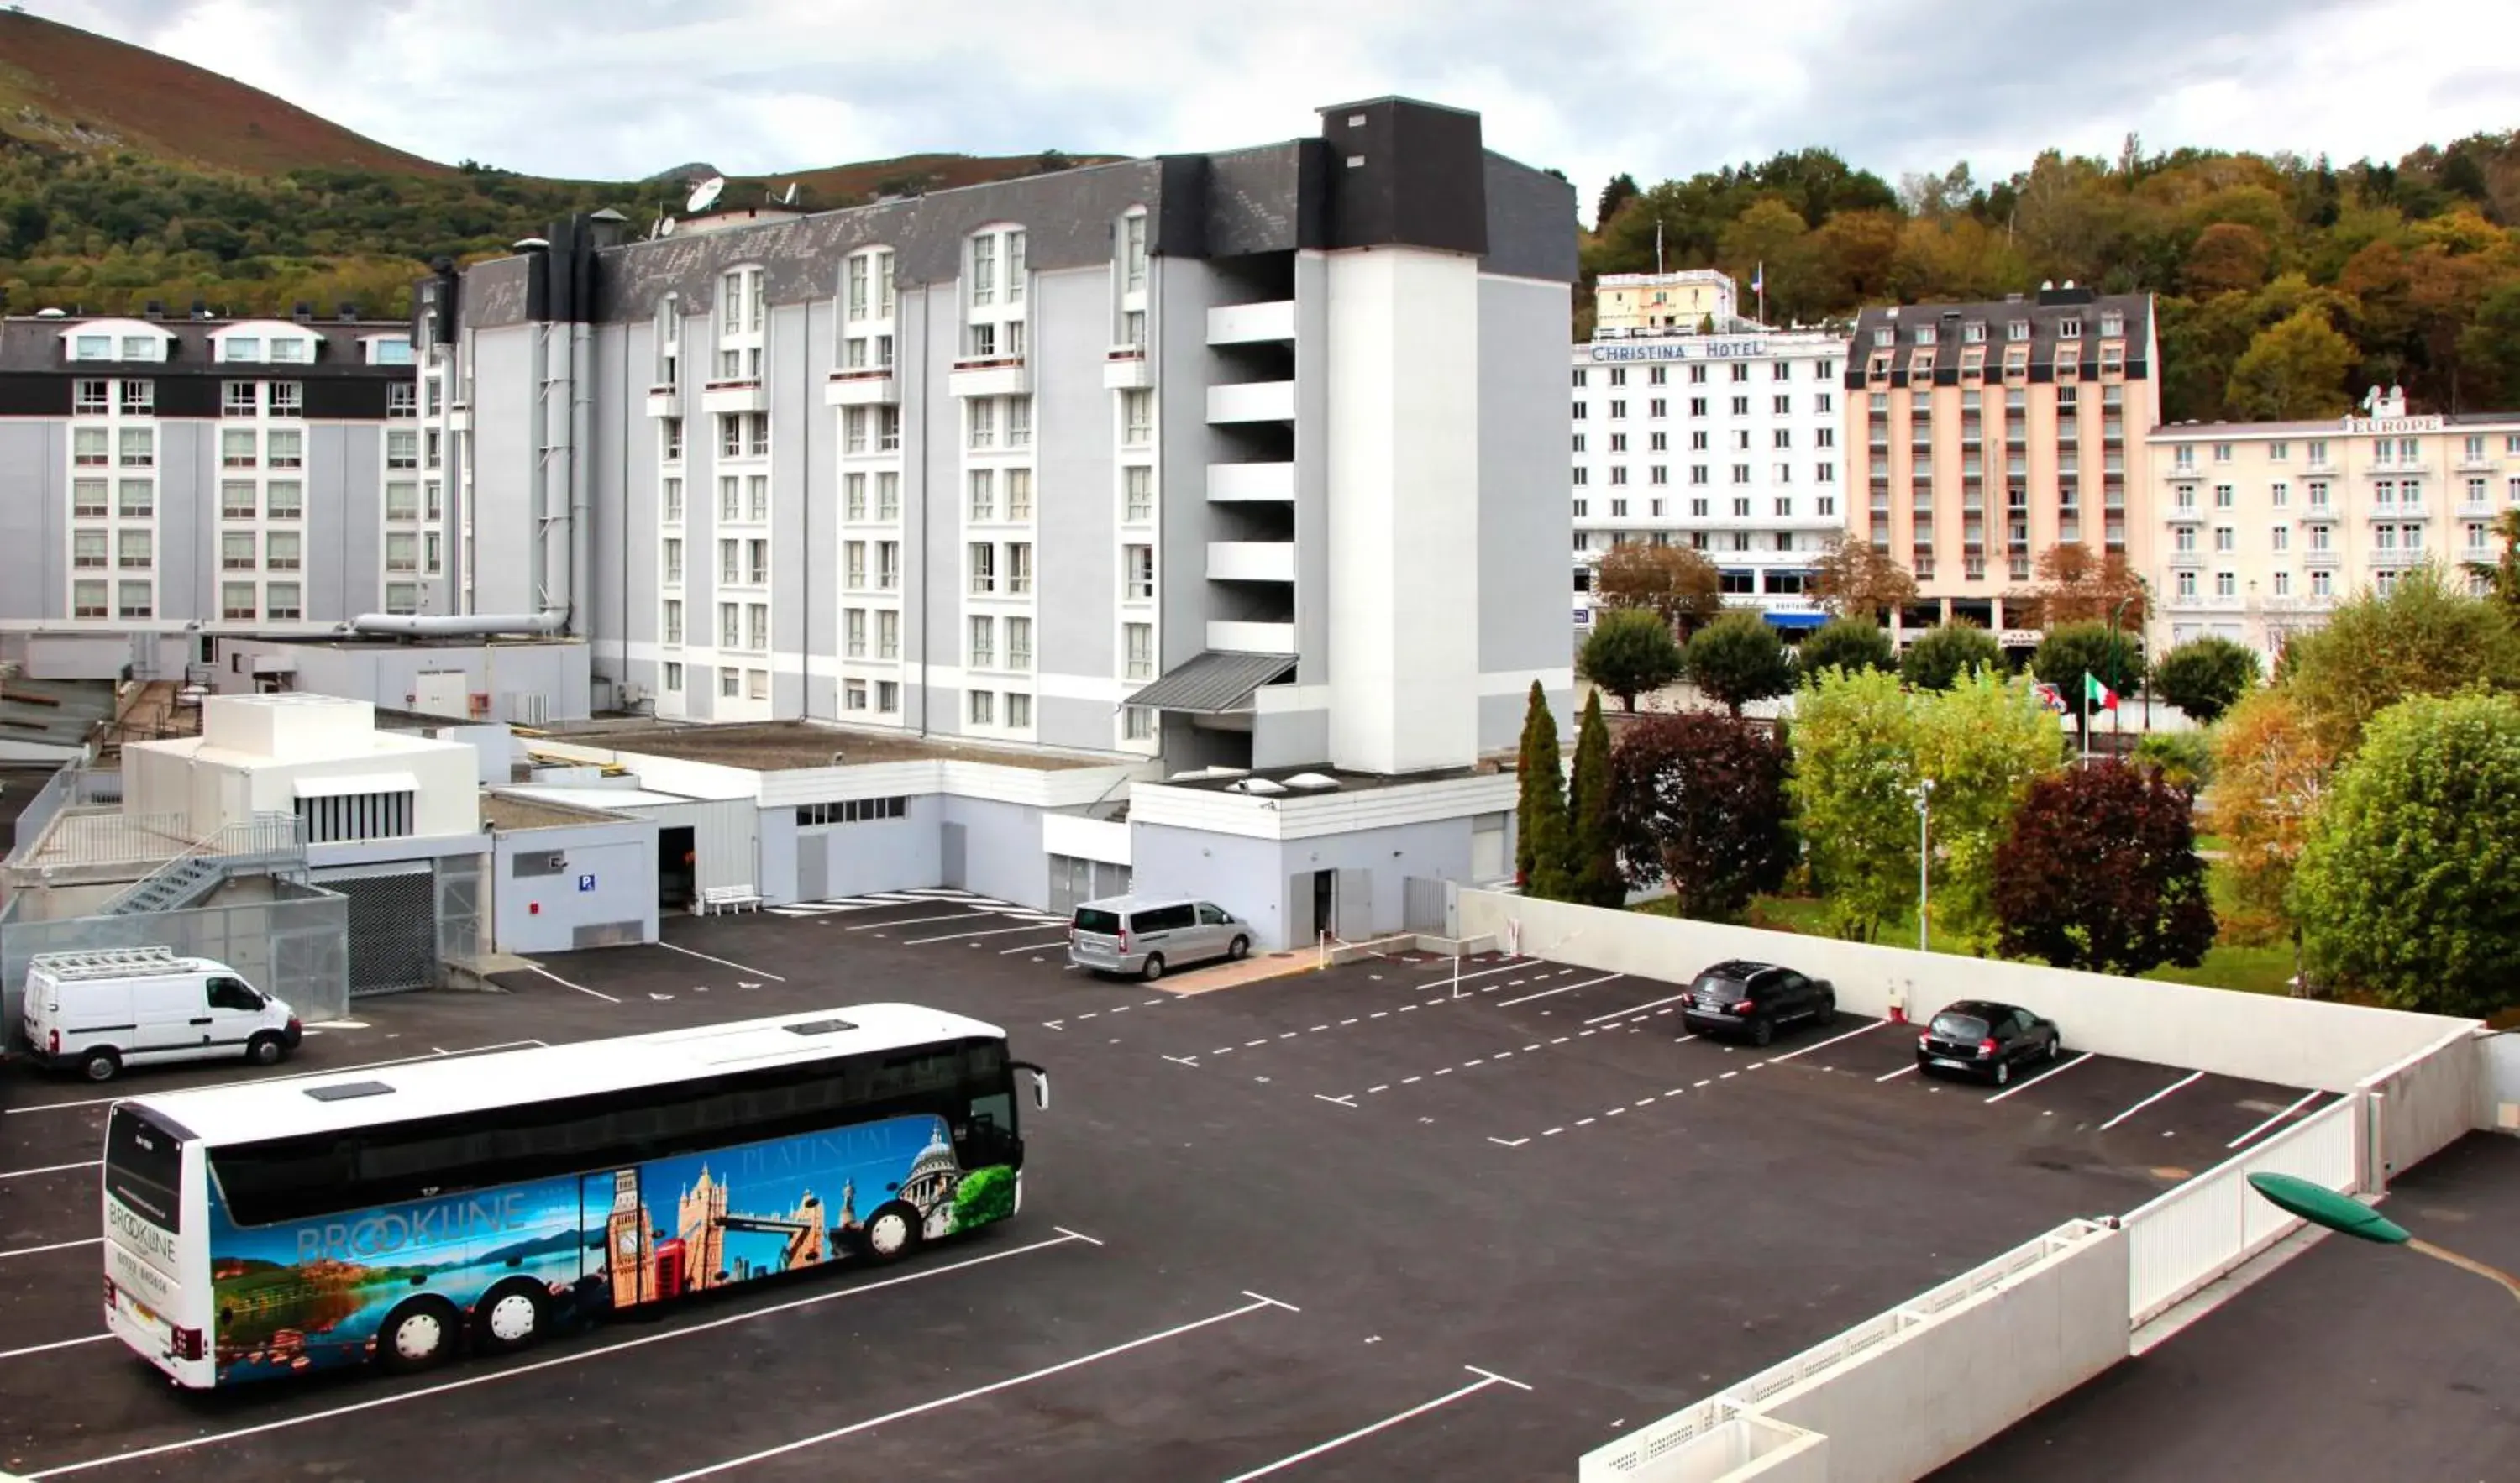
x=473 y=975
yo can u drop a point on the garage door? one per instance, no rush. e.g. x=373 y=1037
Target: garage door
x=1072 y=880
x=393 y=926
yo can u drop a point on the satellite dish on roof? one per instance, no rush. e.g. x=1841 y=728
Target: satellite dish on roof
x=530 y=243
x=667 y=230
x=705 y=194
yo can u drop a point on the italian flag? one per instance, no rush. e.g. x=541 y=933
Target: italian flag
x=2096 y=695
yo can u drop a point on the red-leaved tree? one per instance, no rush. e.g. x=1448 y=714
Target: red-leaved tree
x=2101 y=872
x=1699 y=800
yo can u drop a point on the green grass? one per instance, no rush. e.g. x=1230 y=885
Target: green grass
x=2226 y=965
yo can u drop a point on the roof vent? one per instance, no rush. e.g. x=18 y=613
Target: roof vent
x=156 y=308
x=345 y=1091
x=200 y=308
x=346 y=312
x=302 y=312
x=2046 y=285
x=1256 y=786
x=51 y=312
x=1312 y=780
x=818 y=1028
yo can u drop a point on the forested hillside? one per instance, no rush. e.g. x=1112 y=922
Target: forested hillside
x=2286 y=285
x=127 y=176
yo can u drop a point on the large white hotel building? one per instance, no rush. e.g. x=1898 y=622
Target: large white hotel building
x=1693 y=425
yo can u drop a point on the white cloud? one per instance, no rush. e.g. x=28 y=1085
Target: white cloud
x=616 y=88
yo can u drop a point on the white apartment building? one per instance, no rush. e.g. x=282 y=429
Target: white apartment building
x=2263 y=528
x=1723 y=441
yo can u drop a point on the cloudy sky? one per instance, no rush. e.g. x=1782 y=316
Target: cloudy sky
x=623 y=88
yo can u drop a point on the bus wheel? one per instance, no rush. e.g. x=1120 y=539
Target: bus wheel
x=510 y=1317
x=891 y=1232
x=418 y=1334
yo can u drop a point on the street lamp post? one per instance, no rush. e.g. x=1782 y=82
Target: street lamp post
x=1923 y=793
x=2323 y=1206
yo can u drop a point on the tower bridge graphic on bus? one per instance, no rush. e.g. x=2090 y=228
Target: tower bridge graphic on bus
x=313 y=1294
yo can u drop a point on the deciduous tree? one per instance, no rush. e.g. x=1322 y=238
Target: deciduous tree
x=1540 y=809
x=1853 y=580
x=2079 y=585
x=2227 y=257
x=2409 y=887
x=2424 y=638
x=1847 y=643
x=1739 y=658
x=2294 y=369
x=1592 y=862
x=2068 y=653
x=1629 y=652
x=1701 y=803
x=1985 y=740
x=2206 y=676
x=1676 y=583
x=2099 y=871
x=2270 y=775
x=1854 y=763
x=1938 y=657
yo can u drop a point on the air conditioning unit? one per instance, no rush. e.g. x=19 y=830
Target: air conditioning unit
x=633 y=695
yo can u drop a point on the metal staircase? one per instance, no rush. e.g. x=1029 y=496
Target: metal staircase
x=268 y=844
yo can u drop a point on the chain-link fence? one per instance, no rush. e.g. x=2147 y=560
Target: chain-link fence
x=297 y=945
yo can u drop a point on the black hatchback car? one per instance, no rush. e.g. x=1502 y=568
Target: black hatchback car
x=1993 y=1041
x=1754 y=999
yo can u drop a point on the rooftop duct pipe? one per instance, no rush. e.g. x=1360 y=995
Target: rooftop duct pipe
x=457 y=625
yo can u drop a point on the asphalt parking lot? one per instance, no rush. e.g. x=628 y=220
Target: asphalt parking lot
x=1366 y=1222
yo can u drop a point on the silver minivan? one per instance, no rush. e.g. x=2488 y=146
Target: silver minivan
x=1148 y=936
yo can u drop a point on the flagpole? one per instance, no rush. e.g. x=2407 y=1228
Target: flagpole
x=1761 y=278
x=1657 y=245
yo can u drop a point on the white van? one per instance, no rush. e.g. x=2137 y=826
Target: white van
x=103 y=1009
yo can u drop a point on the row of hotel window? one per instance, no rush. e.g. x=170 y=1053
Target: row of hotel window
x=1782 y=473
x=2322 y=538
x=2405 y=449
x=239 y=448
x=747 y=498
x=246 y=550
x=1736 y=540
x=2385 y=493
x=1824 y=508
x=1700 y=442
x=237 y=349
x=244 y=500
x=1731 y=581
x=239 y=602
x=133 y=397
x=1658 y=376
x=1656 y=407
x=990 y=424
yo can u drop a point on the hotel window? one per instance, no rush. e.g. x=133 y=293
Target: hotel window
x=853 y=497
x=983 y=643
x=983 y=566
x=238 y=499
x=135 y=499
x=238 y=398
x=285 y=448
x=1619 y=407
x=1784 y=438
x=983 y=494
x=134 y=599
x=284 y=500
x=729 y=561
x=2226 y=585
x=90 y=548
x=853 y=633
x=133 y=550
x=888 y=565
x=1740 y=406
x=235 y=600
x=2184 y=539
x=2223 y=538
x=1019 y=644
x=1782 y=406
x=138 y=448
x=1137 y=573
x=1020 y=568
x=2283 y=584
x=91 y=398
x=2222 y=496
x=402 y=551
x=2318 y=538
x=888 y=697
x=730 y=625
x=888 y=635
x=984 y=709
x=1018 y=494
x=2188 y=586
x=756 y=497
x=730 y=498
x=671 y=502
x=730 y=684
x=1579 y=377
x=1018 y=710
x=1019 y=422
x=2320 y=585
x=888 y=429
x=237 y=448
x=2280 y=494
x=2319 y=453
x=1138 y=493
x=402 y=449
x=1137 y=723
x=2279 y=538
x=289 y=399
x=981 y=423
x=853 y=563
x=1619 y=475
x=673 y=678
x=671 y=432
x=87 y=599
x=402 y=398
x=1659 y=407
x=757 y=626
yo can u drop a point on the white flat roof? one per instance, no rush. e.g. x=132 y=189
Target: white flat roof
x=280 y=1106
x=613 y=798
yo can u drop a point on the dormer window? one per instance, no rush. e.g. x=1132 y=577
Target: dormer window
x=92 y=347
x=388 y=350
x=1974 y=333
x=240 y=347
x=1133 y=253
x=2112 y=325
x=2016 y=330
x=1924 y=335
x=1885 y=336
x=2069 y=329
x=741 y=316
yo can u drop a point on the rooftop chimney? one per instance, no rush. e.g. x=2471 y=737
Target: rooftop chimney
x=303 y=312
x=156 y=308
x=347 y=312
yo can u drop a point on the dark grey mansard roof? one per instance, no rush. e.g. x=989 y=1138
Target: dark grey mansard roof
x=29 y=344
x=2046 y=311
x=1265 y=198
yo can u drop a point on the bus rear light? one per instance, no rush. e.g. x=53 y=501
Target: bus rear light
x=188 y=1344
x=109 y=1290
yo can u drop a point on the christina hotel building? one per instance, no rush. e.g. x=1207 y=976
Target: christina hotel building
x=1981 y=434
x=2260 y=528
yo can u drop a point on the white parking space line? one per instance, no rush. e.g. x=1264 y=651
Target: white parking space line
x=1832 y=1040
x=93 y=1240
x=1486 y=1379
x=110 y=1460
x=581 y=988
x=2043 y=1076
x=2306 y=1099
x=10 y=1354
x=48 y=1169
x=1635 y=1009
x=920 y=942
x=2191 y=1079
x=1507 y=1003
x=1032 y=947
x=249 y=1081
x=1895 y=1075
x=1486 y=972
x=741 y=967
x=973 y=1394
x=878 y=926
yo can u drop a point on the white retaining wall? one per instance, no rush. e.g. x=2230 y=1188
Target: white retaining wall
x=2290 y=1042
x=1897 y=1397
x=2424 y=1101
x=2194 y=1234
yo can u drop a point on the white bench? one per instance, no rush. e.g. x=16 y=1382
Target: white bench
x=726 y=898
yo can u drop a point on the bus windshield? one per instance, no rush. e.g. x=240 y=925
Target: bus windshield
x=144 y=1167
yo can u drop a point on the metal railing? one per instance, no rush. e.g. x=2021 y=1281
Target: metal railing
x=266 y=842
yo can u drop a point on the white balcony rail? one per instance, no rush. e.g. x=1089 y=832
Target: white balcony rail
x=2213 y=1223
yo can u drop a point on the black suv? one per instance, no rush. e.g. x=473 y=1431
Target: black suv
x=1976 y=1037
x=1753 y=999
